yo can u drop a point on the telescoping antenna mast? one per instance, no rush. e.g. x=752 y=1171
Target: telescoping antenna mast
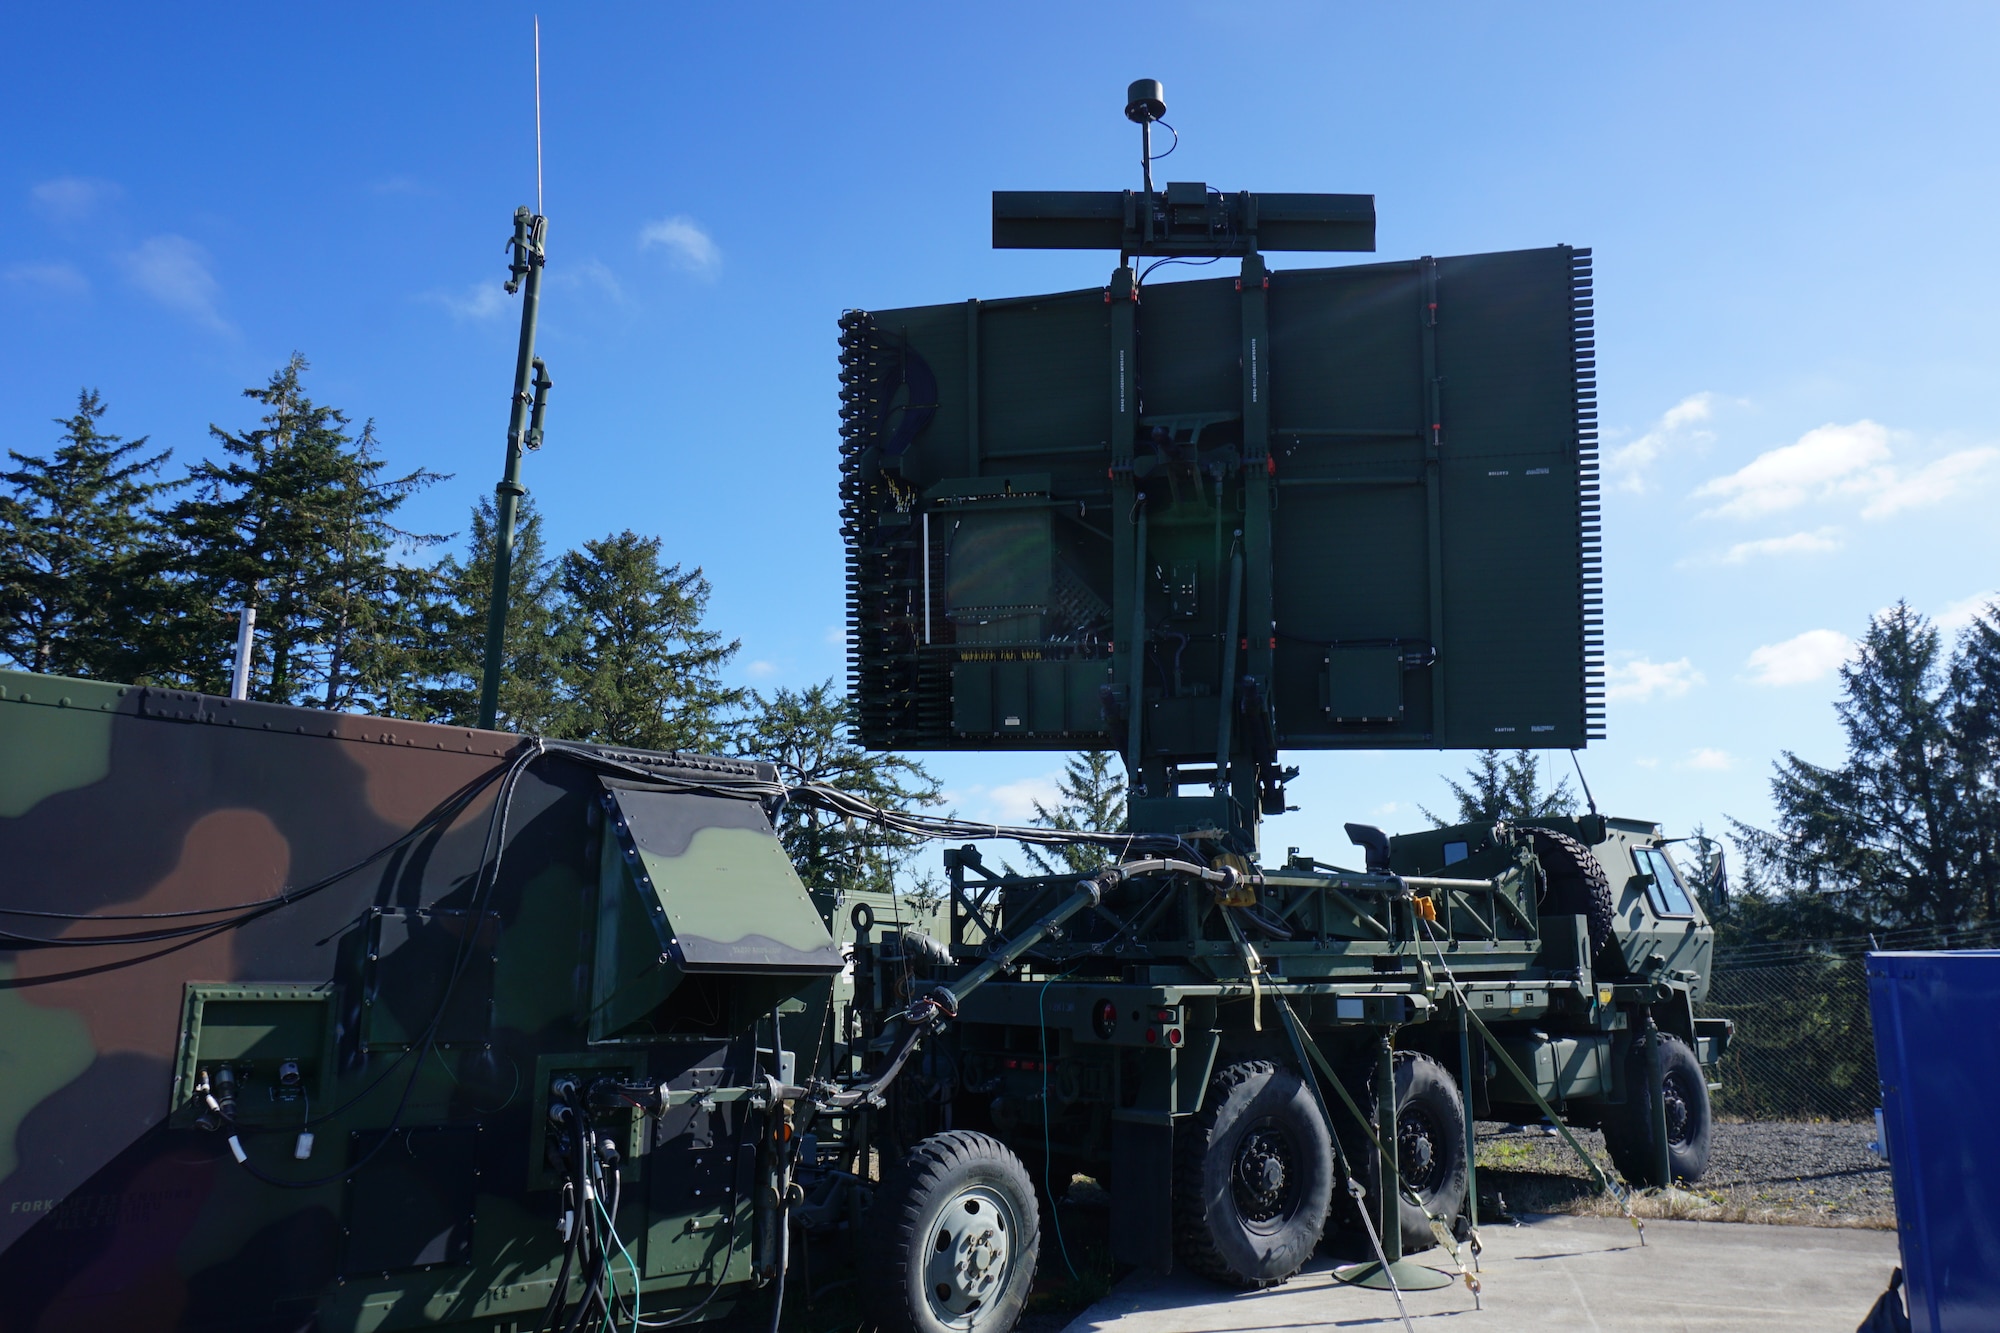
x=524 y=417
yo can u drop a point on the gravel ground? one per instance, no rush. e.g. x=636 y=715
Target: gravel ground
x=1814 y=1173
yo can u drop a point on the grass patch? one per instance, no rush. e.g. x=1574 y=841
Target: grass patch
x=1533 y=1175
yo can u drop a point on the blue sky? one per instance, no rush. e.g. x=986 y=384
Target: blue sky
x=1791 y=208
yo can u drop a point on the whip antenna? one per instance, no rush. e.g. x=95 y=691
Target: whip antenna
x=1584 y=780
x=538 y=113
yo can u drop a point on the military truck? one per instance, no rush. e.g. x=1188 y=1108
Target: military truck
x=1147 y=1048
x=337 y=1022
x=1200 y=524
x=316 y=1020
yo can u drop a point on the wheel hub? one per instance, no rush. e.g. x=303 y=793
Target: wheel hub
x=1678 y=1118
x=971 y=1256
x=1264 y=1179
x=1417 y=1155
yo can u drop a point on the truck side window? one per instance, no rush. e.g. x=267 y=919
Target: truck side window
x=1664 y=886
x=1454 y=852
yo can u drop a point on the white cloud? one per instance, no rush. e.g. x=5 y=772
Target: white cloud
x=1797 y=543
x=1679 y=426
x=1640 y=680
x=1957 y=615
x=482 y=300
x=174 y=271
x=1801 y=659
x=1015 y=802
x=592 y=273
x=1823 y=462
x=1851 y=462
x=761 y=670
x=1647 y=761
x=1008 y=803
x=685 y=242
x=1706 y=760
x=836 y=636
x=72 y=198
x=53 y=279
x=1932 y=483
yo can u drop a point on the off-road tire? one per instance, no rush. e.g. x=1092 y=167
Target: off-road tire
x=1253 y=1174
x=909 y=1235
x=1574 y=884
x=1628 y=1129
x=1430 y=1127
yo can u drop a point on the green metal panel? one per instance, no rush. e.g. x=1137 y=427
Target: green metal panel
x=254 y=1030
x=722 y=894
x=1381 y=463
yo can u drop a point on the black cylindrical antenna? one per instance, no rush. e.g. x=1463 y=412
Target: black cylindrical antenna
x=1145 y=102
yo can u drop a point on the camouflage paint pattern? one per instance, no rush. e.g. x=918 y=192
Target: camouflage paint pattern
x=118 y=1210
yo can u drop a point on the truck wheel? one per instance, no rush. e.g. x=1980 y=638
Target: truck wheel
x=1430 y=1149
x=951 y=1238
x=1574 y=885
x=1628 y=1129
x=1253 y=1174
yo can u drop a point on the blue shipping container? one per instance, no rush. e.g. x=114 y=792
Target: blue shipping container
x=1937 y=1052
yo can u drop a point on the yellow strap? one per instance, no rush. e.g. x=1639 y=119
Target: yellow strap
x=1444 y=1238
x=1252 y=964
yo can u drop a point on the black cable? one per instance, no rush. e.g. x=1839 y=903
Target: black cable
x=1173 y=259
x=784 y=1261
x=554 y=1306
x=452 y=804
x=49 y=979
x=593 y=1290
x=495 y=852
x=813 y=795
x=573 y=1173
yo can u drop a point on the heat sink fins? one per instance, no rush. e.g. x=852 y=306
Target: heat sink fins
x=1583 y=346
x=900 y=691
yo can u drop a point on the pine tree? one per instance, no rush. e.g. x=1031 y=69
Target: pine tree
x=1090 y=798
x=79 y=551
x=365 y=650
x=532 y=689
x=809 y=735
x=1975 y=725
x=639 y=667
x=296 y=521
x=1889 y=837
x=1510 y=789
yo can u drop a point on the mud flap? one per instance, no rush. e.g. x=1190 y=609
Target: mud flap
x=1142 y=1196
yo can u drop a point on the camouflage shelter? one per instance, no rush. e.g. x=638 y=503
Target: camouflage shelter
x=373 y=946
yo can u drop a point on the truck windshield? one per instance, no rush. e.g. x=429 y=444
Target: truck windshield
x=1669 y=898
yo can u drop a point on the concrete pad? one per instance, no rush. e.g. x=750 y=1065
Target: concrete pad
x=1556 y=1274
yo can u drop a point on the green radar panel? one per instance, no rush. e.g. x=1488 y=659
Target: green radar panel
x=1204 y=520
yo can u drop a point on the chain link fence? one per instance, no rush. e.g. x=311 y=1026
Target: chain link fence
x=1804 y=1048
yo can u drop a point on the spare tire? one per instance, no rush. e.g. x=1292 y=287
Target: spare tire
x=1574 y=884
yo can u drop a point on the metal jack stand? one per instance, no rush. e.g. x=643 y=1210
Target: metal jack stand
x=1401 y=1275
x=1656 y=1107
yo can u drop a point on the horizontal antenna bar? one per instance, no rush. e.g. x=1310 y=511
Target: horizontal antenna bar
x=1184 y=219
